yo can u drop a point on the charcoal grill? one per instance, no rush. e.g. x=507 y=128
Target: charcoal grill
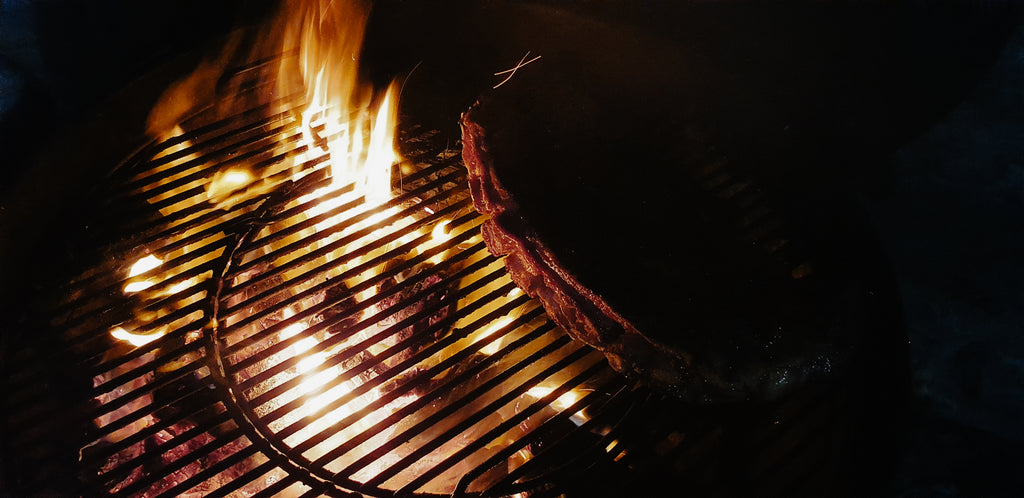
x=447 y=380
x=259 y=358
x=206 y=399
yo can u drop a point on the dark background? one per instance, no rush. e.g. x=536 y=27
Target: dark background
x=949 y=206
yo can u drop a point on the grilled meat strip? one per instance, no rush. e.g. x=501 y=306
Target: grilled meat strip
x=712 y=277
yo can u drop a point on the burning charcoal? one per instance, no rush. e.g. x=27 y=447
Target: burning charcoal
x=432 y=298
x=341 y=301
x=247 y=289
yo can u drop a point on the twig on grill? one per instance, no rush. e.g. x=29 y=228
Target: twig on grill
x=512 y=72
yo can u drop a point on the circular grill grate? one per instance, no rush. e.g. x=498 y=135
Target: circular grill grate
x=287 y=345
x=432 y=371
x=384 y=349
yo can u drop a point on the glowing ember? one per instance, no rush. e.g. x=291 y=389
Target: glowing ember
x=134 y=339
x=141 y=266
x=492 y=328
x=145 y=264
x=226 y=182
x=562 y=402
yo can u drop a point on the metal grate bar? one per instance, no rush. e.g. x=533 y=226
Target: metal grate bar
x=338 y=358
x=438 y=391
x=507 y=425
x=622 y=399
x=418 y=379
x=522 y=443
x=459 y=427
x=236 y=484
x=277 y=348
x=170 y=337
x=376 y=381
x=341 y=243
x=155 y=476
x=161 y=381
x=231 y=149
x=367 y=386
x=101 y=366
x=158 y=364
x=248 y=134
x=151 y=154
x=92 y=347
x=71 y=312
x=367 y=322
x=208 y=413
x=209 y=472
x=277 y=487
x=312 y=222
x=370 y=283
x=151 y=458
x=340 y=227
x=366 y=284
x=302 y=208
x=182 y=214
x=453 y=407
x=147 y=162
x=141 y=413
x=315 y=492
x=131 y=303
x=215 y=240
x=479 y=442
x=253 y=147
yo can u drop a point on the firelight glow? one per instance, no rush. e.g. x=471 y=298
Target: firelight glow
x=342 y=118
x=228 y=181
x=144 y=264
x=141 y=266
x=354 y=126
x=136 y=340
x=562 y=402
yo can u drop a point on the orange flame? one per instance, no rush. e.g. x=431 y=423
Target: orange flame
x=355 y=128
x=342 y=118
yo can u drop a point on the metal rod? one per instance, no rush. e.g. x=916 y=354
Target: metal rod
x=199 y=412
x=562 y=416
x=461 y=426
x=156 y=475
x=147 y=459
x=129 y=418
x=241 y=481
x=312 y=311
x=489 y=436
x=390 y=255
x=341 y=356
x=370 y=384
x=212 y=470
x=369 y=321
x=603 y=428
x=312 y=222
x=433 y=394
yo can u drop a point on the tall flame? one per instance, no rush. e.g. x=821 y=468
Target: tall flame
x=349 y=128
x=355 y=127
x=342 y=118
